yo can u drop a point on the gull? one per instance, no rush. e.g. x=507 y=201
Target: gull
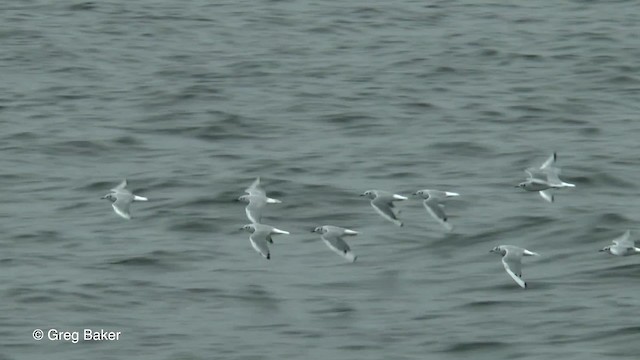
x=257 y=199
x=122 y=199
x=261 y=235
x=332 y=236
x=382 y=202
x=622 y=246
x=512 y=261
x=544 y=178
x=434 y=204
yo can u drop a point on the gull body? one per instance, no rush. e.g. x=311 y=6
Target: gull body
x=434 y=203
x=332 y=237
x=260 y=236
x=382 y=203
x=622 y=246
x=512 y=261
x=121 y=199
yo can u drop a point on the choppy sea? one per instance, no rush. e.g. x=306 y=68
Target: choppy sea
x=191 y=100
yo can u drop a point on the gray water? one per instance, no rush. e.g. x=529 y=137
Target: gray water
x=191 y=100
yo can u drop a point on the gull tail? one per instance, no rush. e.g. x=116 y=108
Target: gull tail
x=273 y=201
x=350 y=232
x=278 y=231
x=530 y=253
x=139 y=198
x=399 y=197
x=449 y=194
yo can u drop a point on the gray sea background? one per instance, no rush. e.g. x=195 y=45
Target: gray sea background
x=191 y=100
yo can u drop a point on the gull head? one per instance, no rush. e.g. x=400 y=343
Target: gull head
x=605 y=249
x=423 y=193
x=243 y=198
x=249 y=227
x=319 y=230
x=523 y=185
x=496 y=249
x=371 y=194
x=109 y=196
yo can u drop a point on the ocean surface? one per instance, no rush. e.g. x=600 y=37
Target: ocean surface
x=192 y=100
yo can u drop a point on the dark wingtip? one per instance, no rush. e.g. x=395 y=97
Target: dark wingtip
x=525 y=285
x=268 y=256
x=355 y=258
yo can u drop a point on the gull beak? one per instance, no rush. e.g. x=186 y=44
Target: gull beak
x=362 y=195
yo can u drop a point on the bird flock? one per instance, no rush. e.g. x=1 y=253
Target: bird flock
x=542 y=180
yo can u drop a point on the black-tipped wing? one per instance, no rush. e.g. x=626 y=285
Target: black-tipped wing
x=259 y=242
x=549 y=162
x=384 y=208
x=513 y=267
x=435 y=209
x=338 y=245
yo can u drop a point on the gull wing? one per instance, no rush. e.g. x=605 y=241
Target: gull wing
x=624 y=240
x=549 y=162
x=121 y=206
x=536 y=174
x=259 y=242
x=545 y=194
x=120 y=186
x=339 y=246
x=436 y=210
x=383 y=207
x=255 y=188
x=529 y=174
x=512 y=265
x=254 y=209
x=552 y=176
